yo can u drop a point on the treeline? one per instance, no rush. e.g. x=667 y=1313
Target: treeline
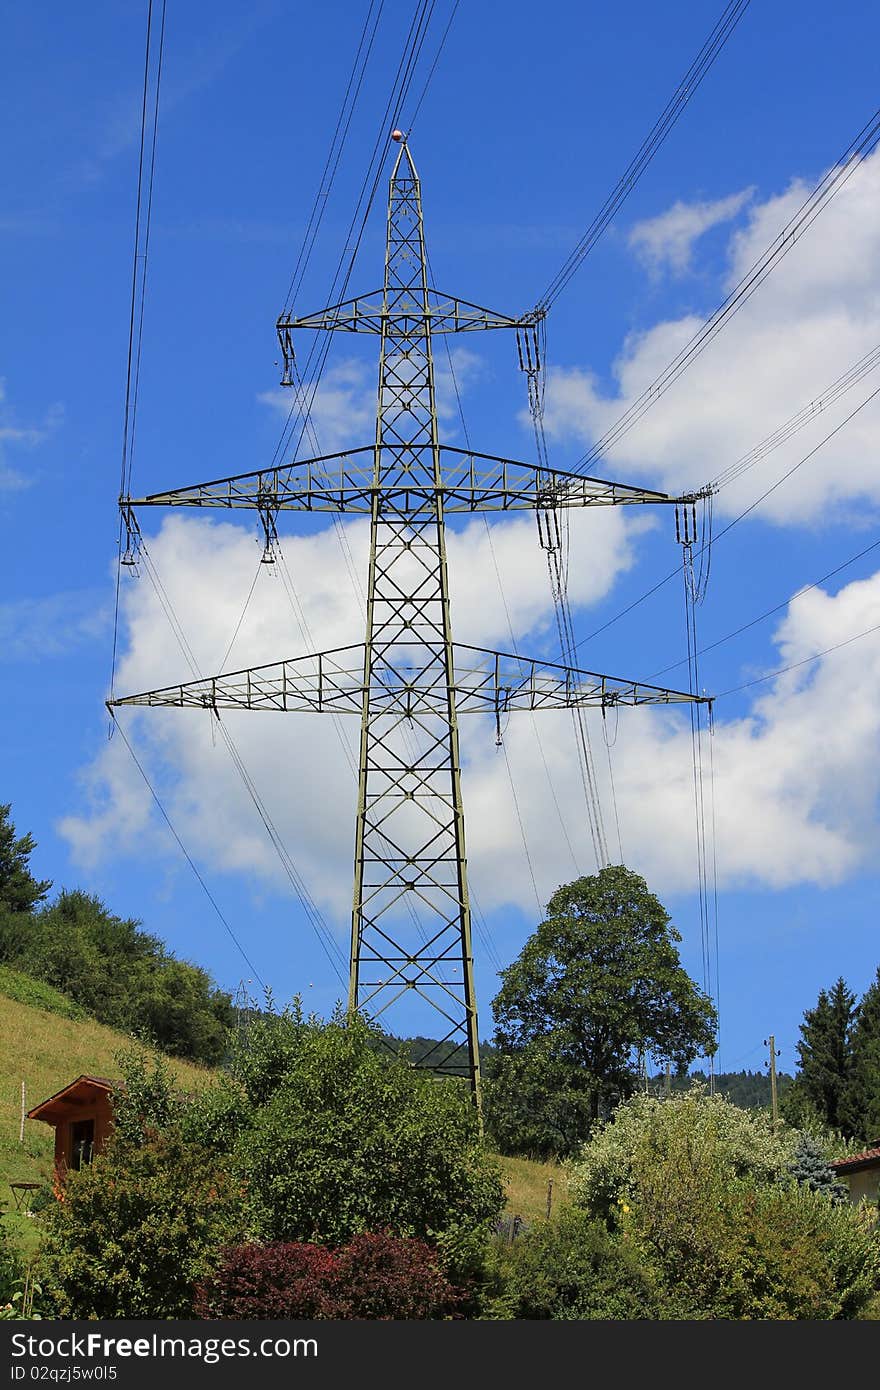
x=119 y=973
x=750 y=1090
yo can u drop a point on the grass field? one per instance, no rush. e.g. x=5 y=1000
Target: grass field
x=527 y=1187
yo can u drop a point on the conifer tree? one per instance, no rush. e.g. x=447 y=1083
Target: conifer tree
x=825 y=1051
x=810 y=1168
x=861 y=1102
x=19 y=890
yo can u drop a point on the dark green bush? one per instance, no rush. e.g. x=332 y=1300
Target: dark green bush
x=344 y=1139
x=573 y=1269
x=138 y=1229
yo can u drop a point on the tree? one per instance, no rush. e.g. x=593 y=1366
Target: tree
x=861 y=1105
x=810 y=1168
x=595 y=987
x=825 y=1052
x=124 y=976
x=20 y=892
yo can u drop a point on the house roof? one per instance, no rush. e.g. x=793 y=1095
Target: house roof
x=85 y=1090
x=866 y=1159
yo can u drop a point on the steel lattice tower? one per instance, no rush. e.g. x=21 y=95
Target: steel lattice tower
x=409 y=682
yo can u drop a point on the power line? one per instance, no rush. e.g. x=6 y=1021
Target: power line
x=744 y=627
x=390 y=117
x=138 y=297
x=817 y=656
x=729 y=527
x=830 y=184
x=637 y=166
x=433 y=68
x=337 y=144
x=805 y=416
x=208 y=894
x=307 y=902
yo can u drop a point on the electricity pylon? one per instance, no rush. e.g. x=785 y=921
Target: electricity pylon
x=408 y=680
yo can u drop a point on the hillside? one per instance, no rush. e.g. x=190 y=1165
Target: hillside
x=47 y=1042
x=46 y=1049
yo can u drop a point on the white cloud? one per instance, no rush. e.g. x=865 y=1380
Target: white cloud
x=206 y=568
x=343 y=412
x=797 y=778
x=669 y=240
x=815 y=315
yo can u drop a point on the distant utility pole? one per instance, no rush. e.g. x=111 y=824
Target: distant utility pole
x=408 y=682
x=667 y=1085
x=774 y=1102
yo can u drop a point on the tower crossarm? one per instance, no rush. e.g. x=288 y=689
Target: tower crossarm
x=500 y=682
x=406 y=311
x=410 y=684
x=331 y=682
x=346 y=482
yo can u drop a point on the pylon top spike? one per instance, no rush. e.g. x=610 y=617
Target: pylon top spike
x=404 y=157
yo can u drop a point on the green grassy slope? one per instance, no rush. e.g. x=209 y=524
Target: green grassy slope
x=45 y=1041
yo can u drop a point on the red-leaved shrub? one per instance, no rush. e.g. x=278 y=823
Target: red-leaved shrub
x=373 y=1276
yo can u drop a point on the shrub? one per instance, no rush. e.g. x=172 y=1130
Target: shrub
x=774 y=1252
x=137 y=1229
x=26 y=990
x=704 y=1133
x=383 y=1276
x=375 y=1276
x=573 y=1269
x=345 y=1139
x=705 y=1194
x=10 y=1266
x=268 y=1281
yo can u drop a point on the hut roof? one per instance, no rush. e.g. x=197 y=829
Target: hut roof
x=85 y=1090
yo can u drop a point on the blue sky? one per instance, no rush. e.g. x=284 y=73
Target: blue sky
x=527 y=125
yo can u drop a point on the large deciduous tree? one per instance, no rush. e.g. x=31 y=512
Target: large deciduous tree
x=598 y=984
x=825 y=1052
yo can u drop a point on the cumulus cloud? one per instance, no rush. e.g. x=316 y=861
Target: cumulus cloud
x=816 y=315
x=668 y=241
x=343 y=410
x=796 y=778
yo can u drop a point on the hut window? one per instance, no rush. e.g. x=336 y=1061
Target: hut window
x=82 y=1142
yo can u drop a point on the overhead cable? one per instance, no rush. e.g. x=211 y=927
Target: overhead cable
x=686 y=88
x=830 y=184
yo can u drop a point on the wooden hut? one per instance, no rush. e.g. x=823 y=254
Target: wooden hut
x=82 y=1116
